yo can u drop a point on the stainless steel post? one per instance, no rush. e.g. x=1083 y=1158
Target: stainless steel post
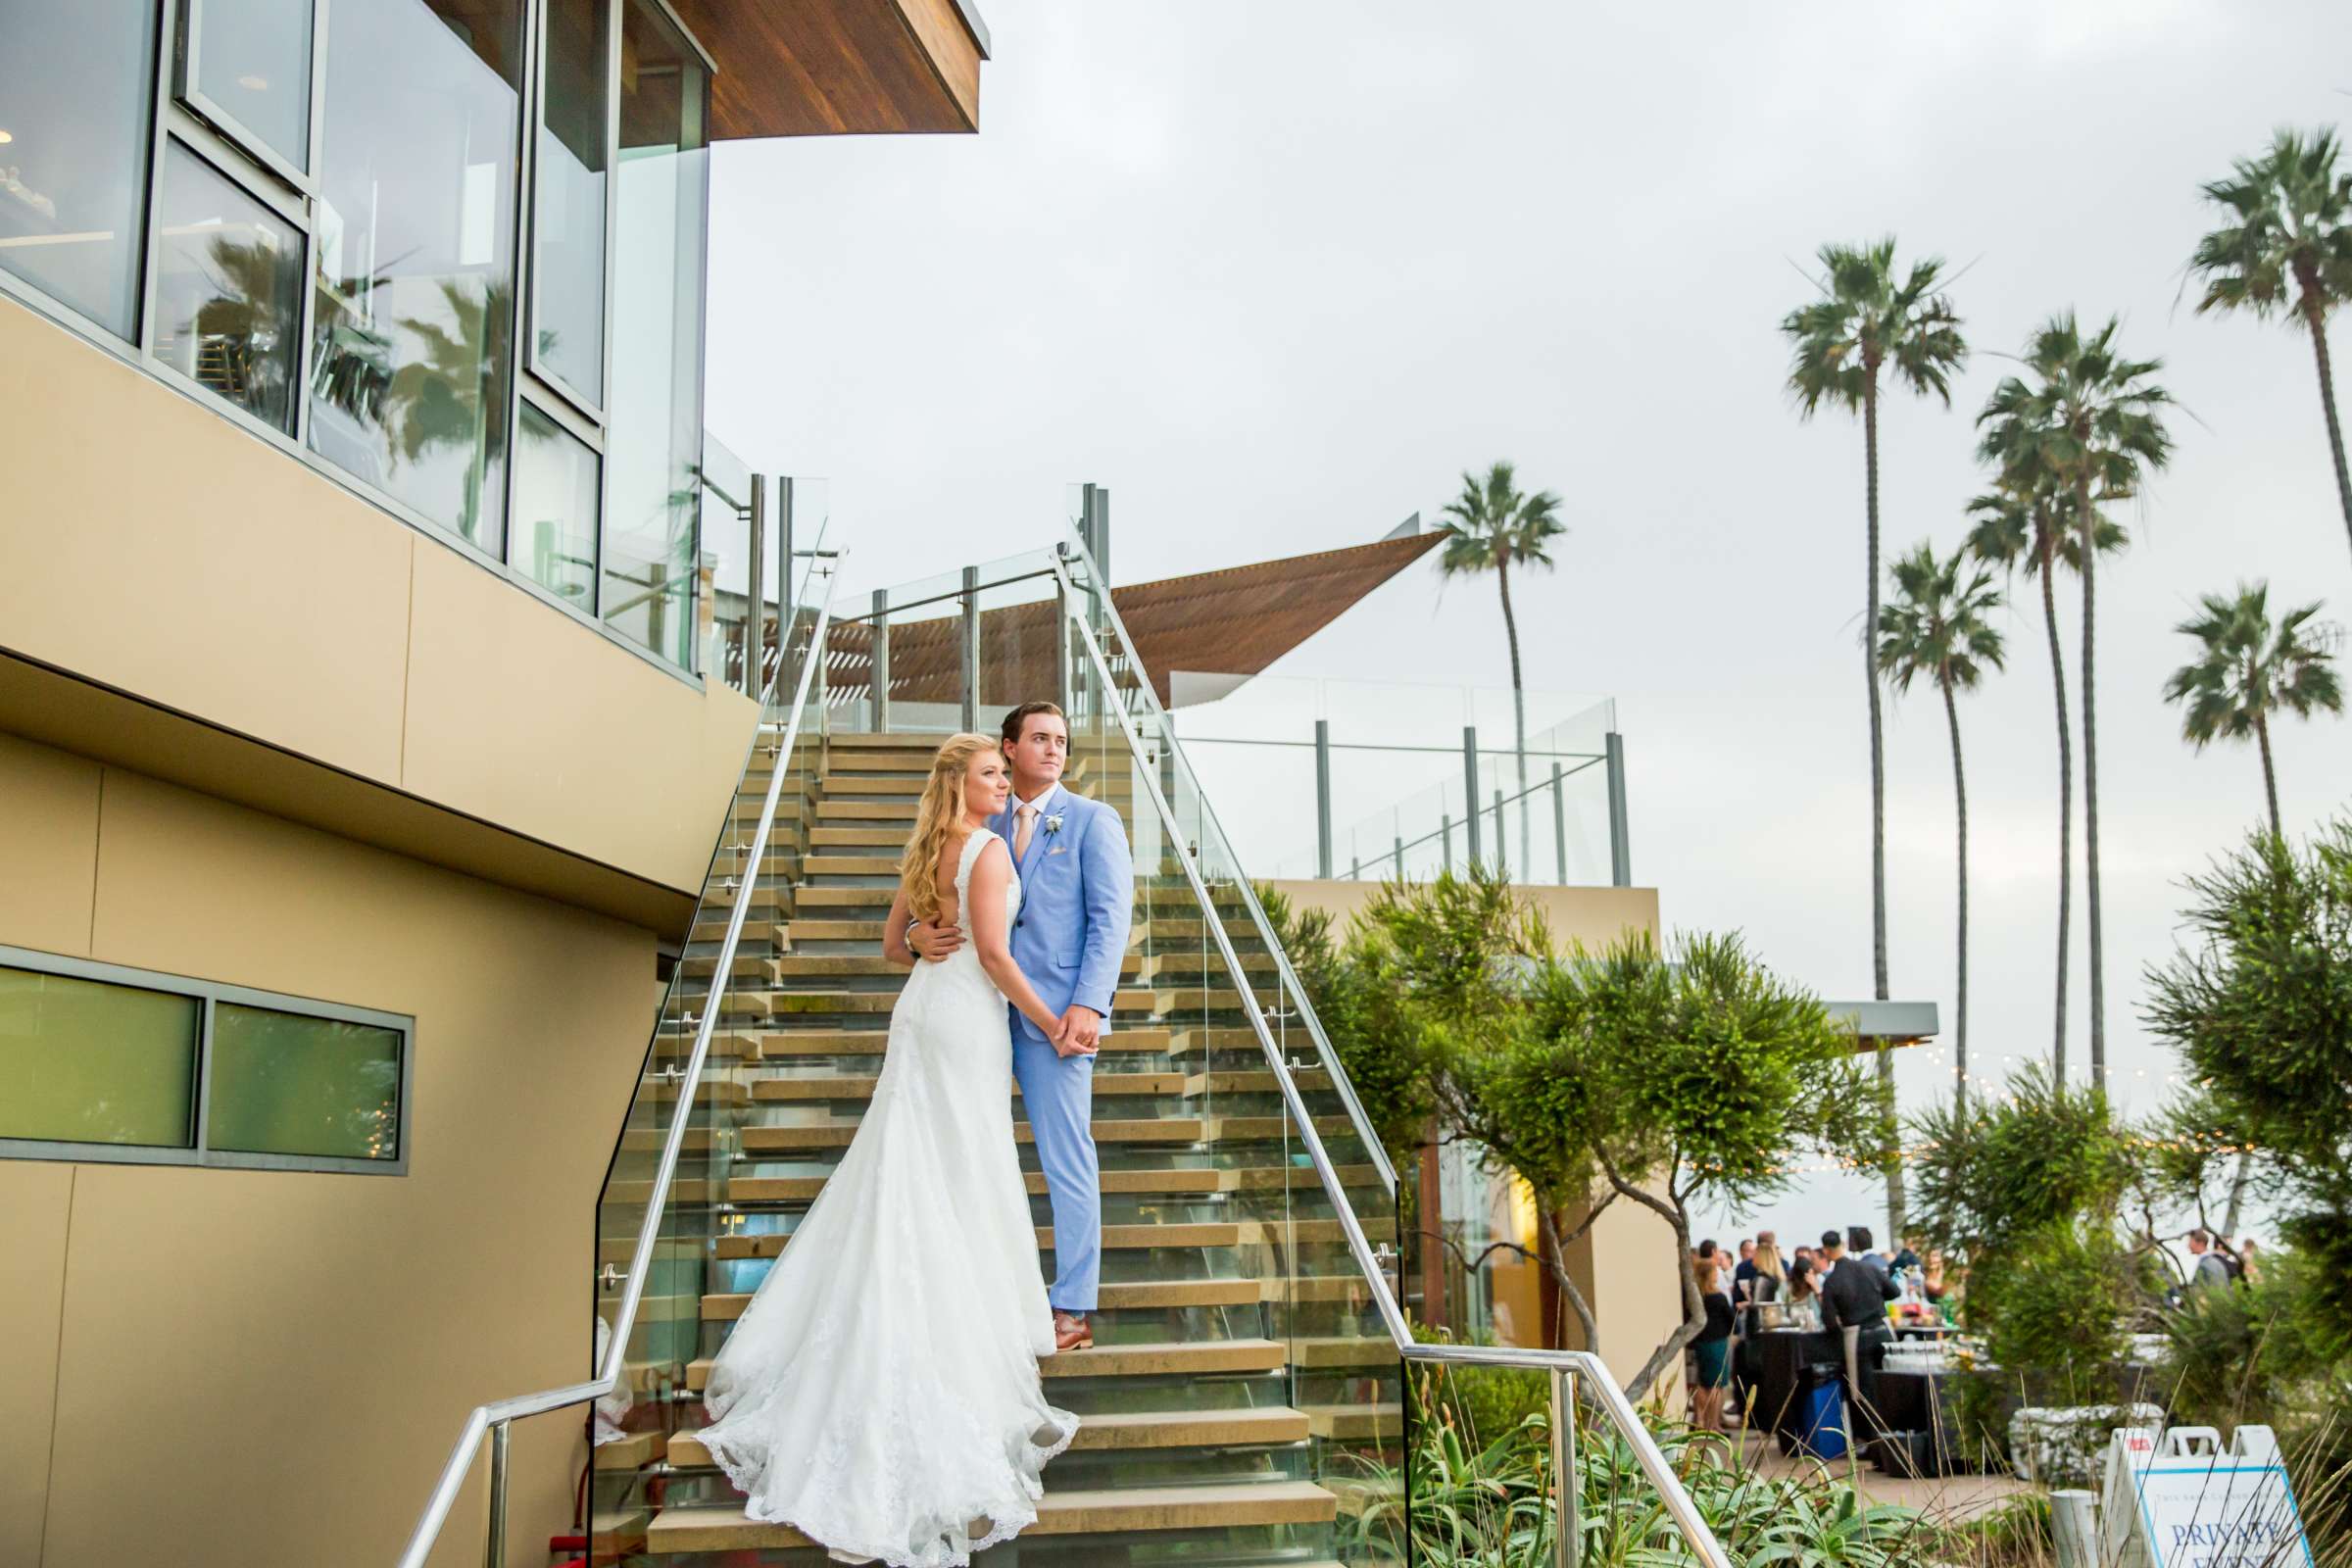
x=754 y=621
x=1401 y=857
x=880 y=660
x=1445 y=839
x=1470 y=787
x=1503 y=859
x=1323 y=799
x=1621 y=857
x=494 y=1550
x=972 y=648
x=1565 y=1485
x=1560 y=820
x=1063 y=653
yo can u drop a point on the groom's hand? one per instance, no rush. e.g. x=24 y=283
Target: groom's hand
x=1081 y=1032
x=934 y=941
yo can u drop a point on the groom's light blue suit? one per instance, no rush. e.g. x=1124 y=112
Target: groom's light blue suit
x=1071 y=937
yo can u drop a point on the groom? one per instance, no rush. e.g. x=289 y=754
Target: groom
x=1070 y=939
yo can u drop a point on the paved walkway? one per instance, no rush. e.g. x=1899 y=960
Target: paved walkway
x=1949 y=1499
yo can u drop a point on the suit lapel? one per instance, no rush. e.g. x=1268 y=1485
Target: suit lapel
x=1037 y=831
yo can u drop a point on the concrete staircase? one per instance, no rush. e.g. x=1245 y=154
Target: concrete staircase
x=1238 y=1380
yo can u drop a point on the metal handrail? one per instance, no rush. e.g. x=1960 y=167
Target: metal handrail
x=1567 y=1367
x=495 y=1416
x=1075 y=545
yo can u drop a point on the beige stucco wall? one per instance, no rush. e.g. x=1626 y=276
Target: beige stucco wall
x=149 y=545
x=239 y=1367
x=1625 y=1264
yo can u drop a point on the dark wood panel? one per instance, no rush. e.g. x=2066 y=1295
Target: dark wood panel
x=816 y=68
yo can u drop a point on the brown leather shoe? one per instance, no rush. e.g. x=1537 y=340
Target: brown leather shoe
x=1072 y=1332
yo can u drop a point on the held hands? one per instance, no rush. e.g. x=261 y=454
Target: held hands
x=1077 y=1033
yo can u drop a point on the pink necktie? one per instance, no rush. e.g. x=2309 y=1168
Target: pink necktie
x=1020 y=834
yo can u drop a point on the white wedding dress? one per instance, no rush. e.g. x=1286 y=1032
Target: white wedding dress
x=880 y=1393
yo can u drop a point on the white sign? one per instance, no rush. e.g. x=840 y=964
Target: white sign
x=2199 y=1507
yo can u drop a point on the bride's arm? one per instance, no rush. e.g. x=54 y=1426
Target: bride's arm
x=894 y=931
x=992 y=938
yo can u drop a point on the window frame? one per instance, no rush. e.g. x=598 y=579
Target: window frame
x=249 y=169
x=186 y=39
x=208 y=993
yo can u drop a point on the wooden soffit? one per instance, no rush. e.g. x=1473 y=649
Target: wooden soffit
x=829 y=67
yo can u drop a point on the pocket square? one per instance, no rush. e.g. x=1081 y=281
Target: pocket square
x=1058 y=848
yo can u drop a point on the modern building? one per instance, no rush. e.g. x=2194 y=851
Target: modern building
x=371 y=627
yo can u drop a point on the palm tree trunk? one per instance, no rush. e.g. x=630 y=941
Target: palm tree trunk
x=2270 y=775
x=2065 y=794
x=2318 y=323
x=2237 y=1197
x=1952 y=714
x=1896 y=1210
x=1510 y=624
x=2086 y=523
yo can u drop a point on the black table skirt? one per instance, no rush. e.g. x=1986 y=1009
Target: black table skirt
x=1779 y=1355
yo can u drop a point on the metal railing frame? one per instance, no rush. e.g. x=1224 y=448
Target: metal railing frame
x=1571 y=1371
x=493 y=1419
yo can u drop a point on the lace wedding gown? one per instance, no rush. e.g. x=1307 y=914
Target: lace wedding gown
x=880 y=1393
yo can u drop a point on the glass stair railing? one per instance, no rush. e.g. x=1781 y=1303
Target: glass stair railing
x=1242 y=1405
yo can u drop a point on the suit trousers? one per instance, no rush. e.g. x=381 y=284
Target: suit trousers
x=1057 y=1097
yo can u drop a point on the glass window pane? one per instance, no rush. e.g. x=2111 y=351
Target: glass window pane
x=287 y=1084
x=555 y=509
x=227 y=289
x=86 y=1063
x=413 y=358
x=567 y=321
x=251 y=60
x=656 y=419
x=76 y=112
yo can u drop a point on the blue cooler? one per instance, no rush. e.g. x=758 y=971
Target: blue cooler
x=1821 y=1414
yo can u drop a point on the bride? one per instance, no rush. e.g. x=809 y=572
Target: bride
x=880 y=1393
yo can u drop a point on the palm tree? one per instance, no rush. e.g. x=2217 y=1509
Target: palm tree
x=1938 y=627
x=2029 y=524
x=1867 y=324
x=1493 y=526
x=2249 y=669
x=2090 y=424
x=2290 y=221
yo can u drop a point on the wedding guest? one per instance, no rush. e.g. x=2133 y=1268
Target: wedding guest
x=2208 y=1269
x=2249 y=1268
x=1714 y=1350
x=1802 y=1294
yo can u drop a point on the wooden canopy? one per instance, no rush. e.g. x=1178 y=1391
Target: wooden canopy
x=817 y=68
x=1233 y=622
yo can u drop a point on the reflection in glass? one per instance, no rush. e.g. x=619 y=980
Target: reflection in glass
x=86 y=1063
x=555 y=509
x=568 y=317
x=412 y=352
x=662 y=184
x=252 y=59
x=228 y=290
x=287 y=1084
x=76 y=104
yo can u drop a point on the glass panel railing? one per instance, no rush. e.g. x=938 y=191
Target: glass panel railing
x=701 y=1230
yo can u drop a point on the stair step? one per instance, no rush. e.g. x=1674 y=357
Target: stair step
x=720 y=1528
x=1356 y=1423
x=871 y=1042
x=783 y=1004
x=861 y=964
x=1176 y=1358
x=1185 y=1234
x=860 y=1086
x=635 y=1450
x=868 y=811
x=724 y=1307
x=1266 y=1427
x=1375 y=1350
x=837 y=1134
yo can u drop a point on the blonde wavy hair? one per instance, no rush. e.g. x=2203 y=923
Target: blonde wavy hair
x=938 y=817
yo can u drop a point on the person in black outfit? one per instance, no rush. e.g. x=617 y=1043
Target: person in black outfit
x=1713 y=1349
x=1855 y=1297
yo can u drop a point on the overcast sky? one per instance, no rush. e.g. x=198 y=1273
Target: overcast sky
x=1277 y=272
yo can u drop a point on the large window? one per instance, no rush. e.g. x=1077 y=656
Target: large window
x=450 y=251
x=227 y=289
x=413 y=319
x=77 y=118
x=655 y=451
x=101 y=1062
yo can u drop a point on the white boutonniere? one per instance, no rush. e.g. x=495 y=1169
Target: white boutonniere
x=1053 y=824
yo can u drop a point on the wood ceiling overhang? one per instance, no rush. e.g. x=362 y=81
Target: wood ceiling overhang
x=828 y=67
x=1231 y=622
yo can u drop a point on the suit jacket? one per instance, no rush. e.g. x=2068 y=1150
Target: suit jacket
x=1077 y=898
